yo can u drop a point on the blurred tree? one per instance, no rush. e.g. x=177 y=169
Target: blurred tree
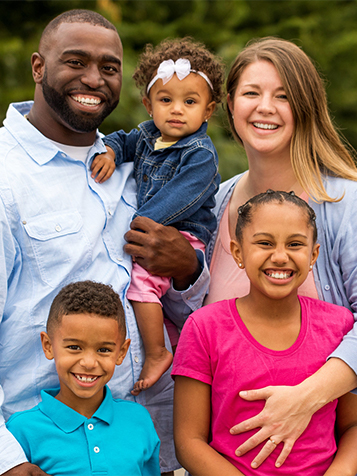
x=324 y=29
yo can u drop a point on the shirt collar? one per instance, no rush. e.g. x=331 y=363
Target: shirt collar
x=38 y=147
x=69 y=420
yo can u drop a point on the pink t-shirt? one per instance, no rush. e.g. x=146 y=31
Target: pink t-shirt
x=216 y=348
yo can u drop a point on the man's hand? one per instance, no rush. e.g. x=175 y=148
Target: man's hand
x=103 y=166
x=25 y=469
x=162 y=251
x=285 y=416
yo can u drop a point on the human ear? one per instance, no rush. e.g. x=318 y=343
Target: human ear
x=236 y=251
x=314 y=254
x=47 y=345
x=147 y=104
x=230 y=104
x=122 y=353
x=38 y=67
x=209 y=110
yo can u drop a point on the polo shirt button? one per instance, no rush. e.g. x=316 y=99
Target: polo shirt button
x=96 y=449
x=63 y=154
x=136 y=358
x=90 y=426
x=58 y=228
x=327 y=287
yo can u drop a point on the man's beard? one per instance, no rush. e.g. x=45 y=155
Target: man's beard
x=80 y=122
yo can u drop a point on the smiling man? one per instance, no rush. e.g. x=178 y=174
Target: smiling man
x=57 y=225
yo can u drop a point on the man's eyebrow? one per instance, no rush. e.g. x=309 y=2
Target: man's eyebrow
x=111 y=59
x=85 y=54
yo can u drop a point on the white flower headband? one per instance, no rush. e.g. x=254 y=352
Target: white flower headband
x=182 y=68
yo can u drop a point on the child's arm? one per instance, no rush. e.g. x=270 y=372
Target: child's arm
x=120 y=148
x=345 y=462
x=103 y=165
x=192 y=412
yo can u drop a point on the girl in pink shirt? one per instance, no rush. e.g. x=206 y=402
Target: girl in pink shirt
x=271 y=336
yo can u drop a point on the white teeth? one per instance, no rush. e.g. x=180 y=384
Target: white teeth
x=265 y=126
x=87 y=101
x=86 y=379
x=280 y=275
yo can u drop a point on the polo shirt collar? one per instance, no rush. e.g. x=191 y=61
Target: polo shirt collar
x=69 y=420
x=37 y=146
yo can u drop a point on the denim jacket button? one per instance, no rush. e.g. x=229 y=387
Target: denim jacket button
x=145 y=178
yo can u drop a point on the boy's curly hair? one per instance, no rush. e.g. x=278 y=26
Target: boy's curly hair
x=200 y=58
x=86 y=297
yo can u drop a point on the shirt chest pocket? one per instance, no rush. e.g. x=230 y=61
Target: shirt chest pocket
x=58 y=246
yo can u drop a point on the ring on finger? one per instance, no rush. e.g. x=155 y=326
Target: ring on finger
x=271 y=439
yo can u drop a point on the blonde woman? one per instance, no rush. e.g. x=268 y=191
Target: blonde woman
x=278 y=111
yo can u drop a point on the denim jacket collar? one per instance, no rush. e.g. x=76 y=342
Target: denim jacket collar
x=151 y=133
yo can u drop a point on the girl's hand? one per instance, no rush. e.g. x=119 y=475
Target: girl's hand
x=103 y=166
x=286 y=414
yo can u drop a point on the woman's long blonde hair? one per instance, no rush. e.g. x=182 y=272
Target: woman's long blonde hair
x=316 y=148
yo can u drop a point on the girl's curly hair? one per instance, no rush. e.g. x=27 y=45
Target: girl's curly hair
x=200 y=58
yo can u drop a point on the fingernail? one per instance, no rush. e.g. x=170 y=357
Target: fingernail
x=238 y=453
x=254 y=464
x=243 y=393
x=277 y=465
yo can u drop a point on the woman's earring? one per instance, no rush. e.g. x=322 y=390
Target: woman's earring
x=310 y=267
x=150 y=115
x=240 y=265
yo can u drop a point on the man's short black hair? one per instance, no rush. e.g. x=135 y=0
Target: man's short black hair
x=75 y=16
x=86 y=297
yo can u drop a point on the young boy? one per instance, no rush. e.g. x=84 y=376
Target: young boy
x=79 y=429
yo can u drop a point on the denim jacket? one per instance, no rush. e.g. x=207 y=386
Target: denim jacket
x=176 y=185
x=335 y=271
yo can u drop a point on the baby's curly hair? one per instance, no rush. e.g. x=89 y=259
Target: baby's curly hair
x=200 y=58
x=86 y=297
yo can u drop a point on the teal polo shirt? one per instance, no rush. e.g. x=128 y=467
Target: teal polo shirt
x=119 y=439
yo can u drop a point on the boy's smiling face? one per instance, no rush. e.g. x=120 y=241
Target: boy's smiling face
x=86 y=348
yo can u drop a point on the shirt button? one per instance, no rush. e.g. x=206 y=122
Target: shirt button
x=58 y=228
x=96 y=449
x=145 y=178
x=136 y=358
x=327 y=287
x=110 y=212
x=63 y=154
x=24 y=222
x=90 y=426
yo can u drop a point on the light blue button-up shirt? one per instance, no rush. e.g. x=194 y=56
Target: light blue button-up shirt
x=57 y=225
x=119 y=439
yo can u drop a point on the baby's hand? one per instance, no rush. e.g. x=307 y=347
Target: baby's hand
x=103 y=166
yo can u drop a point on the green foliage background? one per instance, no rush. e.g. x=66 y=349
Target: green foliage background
x=325 y=29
